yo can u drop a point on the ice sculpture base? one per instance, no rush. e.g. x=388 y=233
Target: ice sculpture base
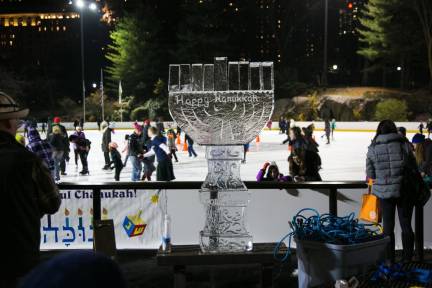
x=225 y=243
x=225 y=198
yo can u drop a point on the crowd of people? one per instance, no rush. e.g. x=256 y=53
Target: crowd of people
x=148 y=149
x=399 y=169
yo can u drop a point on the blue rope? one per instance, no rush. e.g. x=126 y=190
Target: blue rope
x=325 y=228
x=397 y=273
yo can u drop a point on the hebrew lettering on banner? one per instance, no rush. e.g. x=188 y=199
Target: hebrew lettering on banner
x=136 y=214
x=224 y=106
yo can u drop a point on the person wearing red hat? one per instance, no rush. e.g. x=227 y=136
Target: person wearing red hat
x=65 y=136
x=28 y=193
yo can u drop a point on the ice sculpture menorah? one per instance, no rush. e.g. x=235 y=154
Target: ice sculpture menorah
x=222 y=106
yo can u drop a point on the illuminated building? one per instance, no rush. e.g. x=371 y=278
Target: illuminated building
x=44 y=37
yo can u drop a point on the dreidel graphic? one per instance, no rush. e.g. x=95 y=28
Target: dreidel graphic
x=134 y=225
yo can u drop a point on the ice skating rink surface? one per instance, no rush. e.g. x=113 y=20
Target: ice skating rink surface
x=343 y=159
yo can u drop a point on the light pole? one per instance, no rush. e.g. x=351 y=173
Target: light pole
x=325 y=68
x=81 y=6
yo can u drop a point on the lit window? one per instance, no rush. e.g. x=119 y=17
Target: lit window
x=64 y=28
x=10 y=43
x=58 y=28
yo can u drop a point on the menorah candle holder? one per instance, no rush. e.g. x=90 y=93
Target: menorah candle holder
x=223 y=106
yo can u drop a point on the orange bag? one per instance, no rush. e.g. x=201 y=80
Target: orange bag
x=370 y=210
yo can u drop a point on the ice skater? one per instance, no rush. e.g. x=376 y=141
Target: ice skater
x=57 y=122
x=272 y=174
x=158 y=148
x=136 y=150
x=106 y=140
x=116 y=160
x=327 y=130
x=245 y=150
x=57 y=143
x=421 y=127
x=282 y=125
x=333 y=128
x=190 y=143
x=172 y=143
x=429 y=127
x=269 y=124
x=82 y=147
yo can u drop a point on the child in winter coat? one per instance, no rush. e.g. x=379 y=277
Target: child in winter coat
x=115 y=160
x=272 y=173
x=171 y=143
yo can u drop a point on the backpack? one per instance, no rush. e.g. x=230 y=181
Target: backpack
x=414 y=189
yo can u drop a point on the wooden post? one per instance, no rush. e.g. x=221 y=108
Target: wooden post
x=97 y=204
x=333 y=201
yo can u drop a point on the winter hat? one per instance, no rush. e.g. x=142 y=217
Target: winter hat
x=402 y=130
x=111 y=125
x=138 y=127
x=113 y=145
x=104 y=124
x=418 y=138
x=9 y=109
x=57 y=120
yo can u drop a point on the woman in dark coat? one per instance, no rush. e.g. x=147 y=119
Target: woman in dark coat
x=387 y=158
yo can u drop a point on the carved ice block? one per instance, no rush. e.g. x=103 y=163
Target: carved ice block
x=223 y=106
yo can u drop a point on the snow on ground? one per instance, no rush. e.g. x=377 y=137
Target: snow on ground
x=343 y=159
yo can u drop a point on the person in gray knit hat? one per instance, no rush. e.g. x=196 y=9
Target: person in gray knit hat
x=28 y=192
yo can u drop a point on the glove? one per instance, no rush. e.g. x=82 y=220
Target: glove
x=266 y=164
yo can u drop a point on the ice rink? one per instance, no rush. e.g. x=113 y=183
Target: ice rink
x=343 y=159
